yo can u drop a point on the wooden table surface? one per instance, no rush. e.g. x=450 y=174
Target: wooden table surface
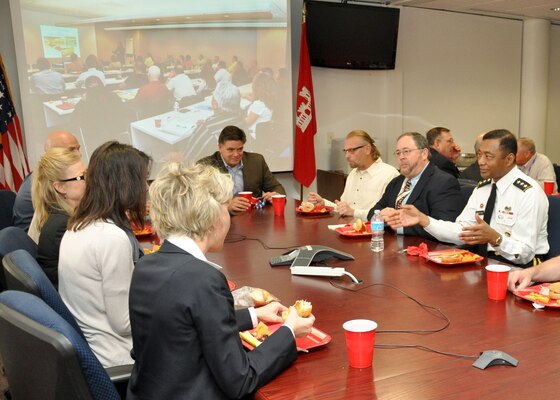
x=477 y=324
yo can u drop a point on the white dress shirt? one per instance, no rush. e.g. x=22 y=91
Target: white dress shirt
x=363 y=189
x=520 y=216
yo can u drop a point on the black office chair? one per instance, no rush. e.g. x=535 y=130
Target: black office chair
x=44 y=357
x=14 y=238
x=557 y=172
x=23 y=273
x=7 y=199
x=553 y=226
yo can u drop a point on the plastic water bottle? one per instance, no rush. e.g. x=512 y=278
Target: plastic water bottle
x=377 y=230
x=176 y=107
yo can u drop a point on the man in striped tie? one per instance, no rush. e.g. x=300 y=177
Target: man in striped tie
x=421 y=183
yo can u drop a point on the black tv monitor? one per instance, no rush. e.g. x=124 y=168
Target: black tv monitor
x=352 y=36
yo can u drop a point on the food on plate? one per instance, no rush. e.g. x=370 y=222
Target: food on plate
x=253 y=341
x=537 y=297
x=456 y=256
x=303 y=308
x=261 y=332
x=146 y=231
x=359 y=226
x=554 y=291
x=261 y=297
x=306 y=206
x=153 y=250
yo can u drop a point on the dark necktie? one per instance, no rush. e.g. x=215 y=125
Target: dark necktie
x=483 y=248
x=404 y=192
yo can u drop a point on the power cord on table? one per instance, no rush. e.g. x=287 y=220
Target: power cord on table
x=236 y=237
x=431 y=309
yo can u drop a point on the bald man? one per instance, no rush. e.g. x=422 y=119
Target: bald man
x=23 y=207
x=472 y=172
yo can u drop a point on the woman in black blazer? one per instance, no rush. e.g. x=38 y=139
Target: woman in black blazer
x=185 y=330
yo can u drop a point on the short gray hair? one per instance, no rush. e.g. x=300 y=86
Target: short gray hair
x=187 y=200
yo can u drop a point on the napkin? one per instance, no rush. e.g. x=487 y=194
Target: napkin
x=420 y=250
x=334 y=227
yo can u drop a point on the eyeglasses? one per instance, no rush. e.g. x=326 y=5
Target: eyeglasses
x=76 y=178
x=353 y=149
x=404 y=152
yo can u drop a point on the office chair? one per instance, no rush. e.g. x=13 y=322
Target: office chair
x=553 y=226
x=23 y=273
x=14 y=238
x=44 y=357
x=557 y=173
x=7 y=199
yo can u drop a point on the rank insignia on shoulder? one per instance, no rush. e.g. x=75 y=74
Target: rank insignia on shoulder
x=522 y=184
x=484 y=182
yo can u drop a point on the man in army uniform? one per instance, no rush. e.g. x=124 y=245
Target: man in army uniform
x=506 y=215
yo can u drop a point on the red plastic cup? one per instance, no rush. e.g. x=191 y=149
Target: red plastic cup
x=497 y=279
x=548 y=187
x=278 y=203
x=360 y=339
x=249 y=196
x=157 y=122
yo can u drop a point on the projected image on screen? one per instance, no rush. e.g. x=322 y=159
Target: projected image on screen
x=59 y=42
x=167 y=83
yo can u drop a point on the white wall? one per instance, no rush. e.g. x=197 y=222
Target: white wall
x=553 y=123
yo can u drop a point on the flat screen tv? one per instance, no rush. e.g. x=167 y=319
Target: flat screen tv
x=352 y=36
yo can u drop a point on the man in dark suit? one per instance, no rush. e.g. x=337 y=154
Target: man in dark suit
x=248 y=170
x=421 y=183
x=443 y=150
x=472 y=172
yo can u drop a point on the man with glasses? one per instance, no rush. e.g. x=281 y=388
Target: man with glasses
x=506 y=216
x=422 y=184
x=443 y=150
x=366 y=181
x=23 y=206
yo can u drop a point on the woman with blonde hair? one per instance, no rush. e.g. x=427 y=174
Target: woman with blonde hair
x=185 y=330
x=57 y=188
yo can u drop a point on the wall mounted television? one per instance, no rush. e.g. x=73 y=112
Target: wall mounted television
x=352 y=36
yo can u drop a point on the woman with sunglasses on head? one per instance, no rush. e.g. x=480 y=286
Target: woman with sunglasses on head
x=98 y=251
x=57 y=188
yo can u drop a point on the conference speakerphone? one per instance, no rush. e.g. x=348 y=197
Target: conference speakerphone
x=306 y=255
x=321 y=271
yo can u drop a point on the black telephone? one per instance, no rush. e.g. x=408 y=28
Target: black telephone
x=305 y=255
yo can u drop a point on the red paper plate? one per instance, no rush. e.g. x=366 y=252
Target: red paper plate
x=348 y=230
x=318 y=210
x=463 y=257
x=533 y=294
x=316 y=338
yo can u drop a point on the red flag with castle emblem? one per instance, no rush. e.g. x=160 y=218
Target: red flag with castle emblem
x=306 y=124
x=13 y=164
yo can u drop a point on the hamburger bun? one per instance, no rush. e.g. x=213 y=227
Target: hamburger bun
x=359 y=226
x=554 y=291
x=306 y=206
x=303 y=308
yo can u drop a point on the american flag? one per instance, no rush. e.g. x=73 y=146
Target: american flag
x=13 y=164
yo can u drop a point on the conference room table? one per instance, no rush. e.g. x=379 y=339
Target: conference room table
x=476 y=323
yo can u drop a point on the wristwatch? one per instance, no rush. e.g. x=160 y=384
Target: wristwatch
x=498 y=241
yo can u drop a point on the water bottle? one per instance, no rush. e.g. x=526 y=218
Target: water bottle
x=377 y=230
x=176 y=107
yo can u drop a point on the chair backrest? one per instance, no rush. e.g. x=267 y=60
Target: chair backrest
x=557 y=172
x=23 y=273
x=44 y=357
x=7 y=199
x=14 y=238
x=553 y=226
x=467 y=186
